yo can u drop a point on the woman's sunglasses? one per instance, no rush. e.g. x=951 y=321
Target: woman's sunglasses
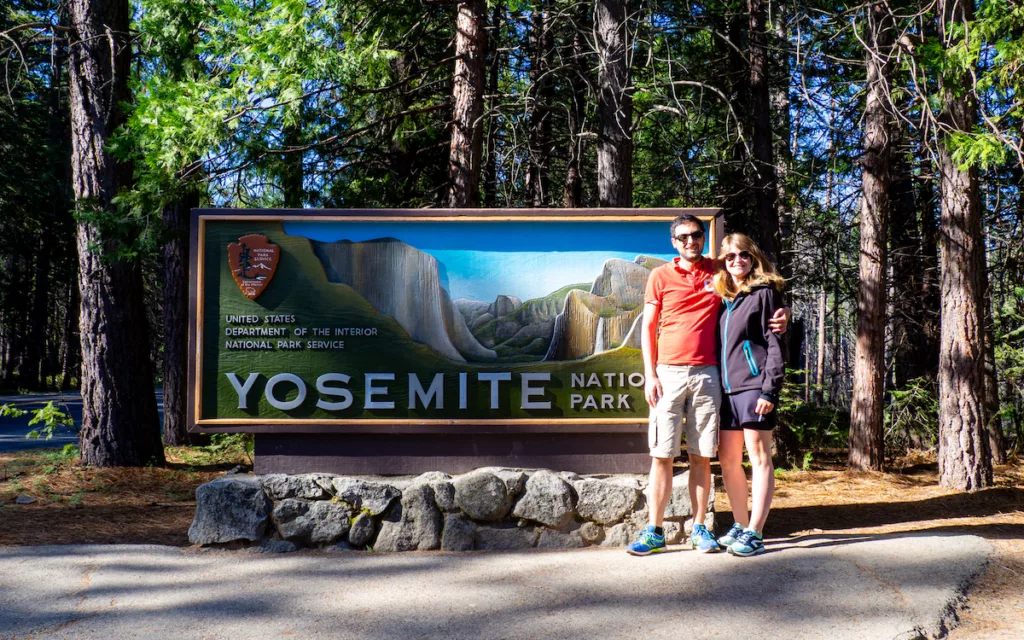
x=743 y=255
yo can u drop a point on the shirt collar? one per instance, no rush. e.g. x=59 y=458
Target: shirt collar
x=700 y=266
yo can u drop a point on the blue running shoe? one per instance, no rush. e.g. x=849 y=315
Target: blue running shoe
x=647 y=542
x=731 y=535
x=748 y=543
x=703 y=540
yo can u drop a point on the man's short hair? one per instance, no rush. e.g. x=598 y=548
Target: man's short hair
x=683 y=219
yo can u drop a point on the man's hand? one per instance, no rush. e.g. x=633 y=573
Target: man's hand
x=652 y=390
x=780 y=320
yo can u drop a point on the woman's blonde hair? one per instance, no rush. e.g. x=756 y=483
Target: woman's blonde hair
x=761 y=270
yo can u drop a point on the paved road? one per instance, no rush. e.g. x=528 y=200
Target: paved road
x=13 y=430
x=858 y=586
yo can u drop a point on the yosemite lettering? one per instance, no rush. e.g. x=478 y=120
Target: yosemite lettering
x=428 y=392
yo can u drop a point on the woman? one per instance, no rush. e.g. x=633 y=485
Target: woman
x=752 y=371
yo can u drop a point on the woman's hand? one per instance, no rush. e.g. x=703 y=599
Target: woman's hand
x=763 y=407
x=653 y=390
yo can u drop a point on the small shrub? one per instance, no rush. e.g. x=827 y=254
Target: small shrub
x=912 y=416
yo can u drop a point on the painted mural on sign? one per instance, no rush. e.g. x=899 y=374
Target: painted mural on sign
x=427 y=319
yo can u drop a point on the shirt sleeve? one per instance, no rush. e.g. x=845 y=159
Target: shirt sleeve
x=775 y=366
x=654 y=288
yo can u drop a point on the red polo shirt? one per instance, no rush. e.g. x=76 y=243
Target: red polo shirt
x=689 y=312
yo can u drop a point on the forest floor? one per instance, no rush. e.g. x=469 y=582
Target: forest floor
x=77 y=505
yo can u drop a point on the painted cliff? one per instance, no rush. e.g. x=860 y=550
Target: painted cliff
x=608 y=316
x=406 y=284
x=514 y=329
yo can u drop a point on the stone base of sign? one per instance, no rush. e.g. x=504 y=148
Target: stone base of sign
x=402 y=453
x=491 y=509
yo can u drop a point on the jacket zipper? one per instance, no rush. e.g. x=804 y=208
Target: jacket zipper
x=725 y=344
x=750 y=358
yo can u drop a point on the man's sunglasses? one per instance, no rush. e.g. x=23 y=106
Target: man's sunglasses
x=696 y=236
x=744 y=255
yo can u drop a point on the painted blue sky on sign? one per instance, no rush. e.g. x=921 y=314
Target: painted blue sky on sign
x=522 y=259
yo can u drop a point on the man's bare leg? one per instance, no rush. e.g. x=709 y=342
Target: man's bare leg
x=700 y=486
x=659 y=488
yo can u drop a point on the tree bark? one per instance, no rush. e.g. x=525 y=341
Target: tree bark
x=291 y=170
x=965 y=461
x=993 y=422
x=905 y=258
x=119 y=418
x=736 y=195
x=490 y=170
x=614 y=106
x=30 y=368
x=69 y=362
x=541 y=85
x=572 y=194
x=819 y=373
x=764 y=178
x=867 y=449
x=779 y=99
x=175 y=319
x=466 y=149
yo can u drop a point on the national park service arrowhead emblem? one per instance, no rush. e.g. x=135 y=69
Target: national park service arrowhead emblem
x=253 y=261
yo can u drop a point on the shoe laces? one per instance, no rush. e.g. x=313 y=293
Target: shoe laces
x=745 y=537
x=702 y=533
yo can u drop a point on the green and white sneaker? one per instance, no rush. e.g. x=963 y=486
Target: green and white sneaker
x=748 y=543
x=731 y=535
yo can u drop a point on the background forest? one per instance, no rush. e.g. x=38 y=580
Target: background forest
x=874 y=150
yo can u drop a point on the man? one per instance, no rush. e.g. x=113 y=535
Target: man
x=682 y=382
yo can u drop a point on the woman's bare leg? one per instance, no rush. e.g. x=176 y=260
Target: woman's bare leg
x=730 y=455
x=762 y=482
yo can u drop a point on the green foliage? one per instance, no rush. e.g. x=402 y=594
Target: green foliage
x=912 y=414
x=816 y=427
x=227 y=444
x=50 y=415
x=51 y=418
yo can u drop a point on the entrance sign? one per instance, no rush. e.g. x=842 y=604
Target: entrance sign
x=413 y=321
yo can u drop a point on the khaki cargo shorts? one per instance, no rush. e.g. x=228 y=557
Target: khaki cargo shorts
x=691 y=399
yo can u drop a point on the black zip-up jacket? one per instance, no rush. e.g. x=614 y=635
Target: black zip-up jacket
x=750 y=355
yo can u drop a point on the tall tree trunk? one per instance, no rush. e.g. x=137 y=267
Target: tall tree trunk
x=119 y=418
x=819 y=372
x=779 y=99
x=572 y=195
x=614 y=106
x=541 y=84
x=69 y=362
x=291 y=170
x=924 y=358
x=904 y=255
x=765 y=181
x=175 y=319
x=490 y=170
x=736 y=195
x=993 y=422
x=468 y=104
x=30 y=369
x=867 y=449
x=964 y=458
